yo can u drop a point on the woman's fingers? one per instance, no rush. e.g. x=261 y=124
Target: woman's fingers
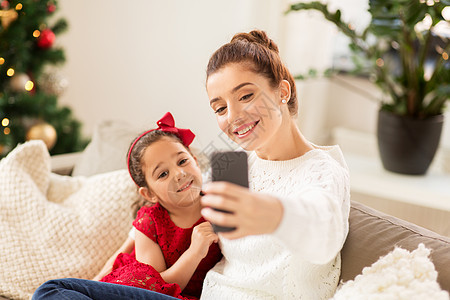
x=250 y=212
x=231 y=235
x=221 y=202
x=255 y=214
x=219 y=218
x=224 y=195
x=225 y=189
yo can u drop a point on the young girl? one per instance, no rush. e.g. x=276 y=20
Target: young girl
x=174 y=246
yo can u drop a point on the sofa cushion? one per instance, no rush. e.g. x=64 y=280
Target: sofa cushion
x=373 y=234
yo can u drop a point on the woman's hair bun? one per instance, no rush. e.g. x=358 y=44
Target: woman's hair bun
x=256 y=36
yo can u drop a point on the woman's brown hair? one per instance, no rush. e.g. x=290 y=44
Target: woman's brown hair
x=261 y=55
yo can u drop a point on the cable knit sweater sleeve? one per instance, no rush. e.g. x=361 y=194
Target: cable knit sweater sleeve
x=315 y=220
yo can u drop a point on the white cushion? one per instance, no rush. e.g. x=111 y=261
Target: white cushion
x=108 y=148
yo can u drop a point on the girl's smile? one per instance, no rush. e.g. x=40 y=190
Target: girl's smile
x=186 y=186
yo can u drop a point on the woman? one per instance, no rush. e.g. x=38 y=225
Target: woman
x=293 y=220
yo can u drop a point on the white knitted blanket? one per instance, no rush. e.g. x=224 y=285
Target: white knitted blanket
x=54 y=226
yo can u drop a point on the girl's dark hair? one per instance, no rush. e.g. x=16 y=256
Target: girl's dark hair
x=136 y=164
x=261 y=55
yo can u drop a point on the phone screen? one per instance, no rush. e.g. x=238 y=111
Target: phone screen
x=230 y=166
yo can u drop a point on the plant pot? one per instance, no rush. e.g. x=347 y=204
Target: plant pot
x=408 y=145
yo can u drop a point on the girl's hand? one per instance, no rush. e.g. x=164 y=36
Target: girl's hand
x=251 y=213
x=202 y=237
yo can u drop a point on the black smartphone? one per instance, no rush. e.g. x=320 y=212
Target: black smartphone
x=229 y=166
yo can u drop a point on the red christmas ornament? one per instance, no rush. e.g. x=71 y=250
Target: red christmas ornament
x=46 y=39
x=5 y=4
x=51 y=8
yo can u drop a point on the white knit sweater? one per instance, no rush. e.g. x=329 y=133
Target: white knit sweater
x=300 y=260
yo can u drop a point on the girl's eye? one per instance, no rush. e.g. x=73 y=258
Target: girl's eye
x=220 y=110
x=182 y=162
x=163 y=174
x=246 y=97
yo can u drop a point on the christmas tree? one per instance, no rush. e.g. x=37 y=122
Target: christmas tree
x=28 y=90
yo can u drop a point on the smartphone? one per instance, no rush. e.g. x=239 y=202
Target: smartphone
x=229 y=166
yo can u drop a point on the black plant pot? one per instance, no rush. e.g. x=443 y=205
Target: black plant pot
x=408 y=145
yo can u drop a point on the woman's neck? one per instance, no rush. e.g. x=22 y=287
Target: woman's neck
x=287 y=143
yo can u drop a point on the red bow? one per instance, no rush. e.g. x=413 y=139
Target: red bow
x=167 y=124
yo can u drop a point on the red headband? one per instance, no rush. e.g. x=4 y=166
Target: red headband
x=166 y=124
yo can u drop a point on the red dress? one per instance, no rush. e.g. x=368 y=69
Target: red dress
x=156 y=224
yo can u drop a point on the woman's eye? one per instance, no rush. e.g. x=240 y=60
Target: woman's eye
x=163 y=174
x=182 y=162
x=220 y=110
x=246 y=97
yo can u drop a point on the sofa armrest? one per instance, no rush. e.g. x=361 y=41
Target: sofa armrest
x=63 y=163
x=373 y=234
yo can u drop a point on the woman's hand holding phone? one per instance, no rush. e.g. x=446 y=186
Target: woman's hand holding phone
x=250 y=212
x=232 y=209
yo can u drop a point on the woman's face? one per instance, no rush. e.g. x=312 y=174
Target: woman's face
x=172 y=174
x=247 y=108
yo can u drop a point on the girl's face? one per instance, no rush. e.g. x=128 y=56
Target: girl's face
x=172 y=175
x=247 y=108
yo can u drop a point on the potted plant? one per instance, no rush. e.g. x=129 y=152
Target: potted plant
x=409 y=61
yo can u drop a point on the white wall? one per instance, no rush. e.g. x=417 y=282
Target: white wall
x=135 y=60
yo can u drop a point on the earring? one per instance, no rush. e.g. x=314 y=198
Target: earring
x=284 y=101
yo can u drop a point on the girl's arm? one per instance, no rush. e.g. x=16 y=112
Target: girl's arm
x=149 y=252
x=126 y=247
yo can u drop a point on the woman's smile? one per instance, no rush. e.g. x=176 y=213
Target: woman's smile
x=245 y=130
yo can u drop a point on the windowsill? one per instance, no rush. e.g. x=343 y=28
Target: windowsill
x=368 y=177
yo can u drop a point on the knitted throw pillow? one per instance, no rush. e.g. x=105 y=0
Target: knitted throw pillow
x=56 y=226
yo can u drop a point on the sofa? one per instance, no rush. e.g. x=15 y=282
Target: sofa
x=372 y=234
